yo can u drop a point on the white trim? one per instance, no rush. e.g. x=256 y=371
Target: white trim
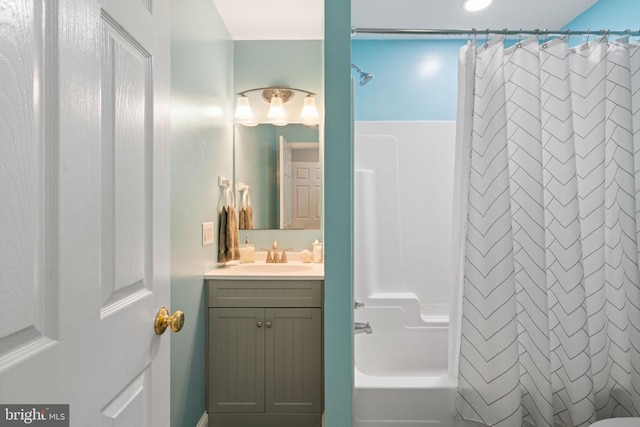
x=304 y=145
x=204 y=420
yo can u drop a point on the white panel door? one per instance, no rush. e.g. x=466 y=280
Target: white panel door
x=84 y=208
x=305 y=191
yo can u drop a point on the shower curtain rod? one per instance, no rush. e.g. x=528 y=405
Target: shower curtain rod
x=477 y=32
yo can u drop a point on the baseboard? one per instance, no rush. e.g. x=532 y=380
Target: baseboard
x=204 y=420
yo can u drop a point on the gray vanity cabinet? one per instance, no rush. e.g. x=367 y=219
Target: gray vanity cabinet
x=236 y=370
x=265 y=353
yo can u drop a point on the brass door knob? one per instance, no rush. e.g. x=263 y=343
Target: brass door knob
x=163 y=321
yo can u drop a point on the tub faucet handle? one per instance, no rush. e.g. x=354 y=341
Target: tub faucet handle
x=362 y=328
x=358 y=305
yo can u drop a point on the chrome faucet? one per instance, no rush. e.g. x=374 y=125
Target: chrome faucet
x=274 y=259
x=362 y=328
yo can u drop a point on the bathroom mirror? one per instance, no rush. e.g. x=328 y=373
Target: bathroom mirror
x=277 y=171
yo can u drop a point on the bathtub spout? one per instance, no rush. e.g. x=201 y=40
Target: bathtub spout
x=362 y=328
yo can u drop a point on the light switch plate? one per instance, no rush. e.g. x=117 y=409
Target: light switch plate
x=207 y=233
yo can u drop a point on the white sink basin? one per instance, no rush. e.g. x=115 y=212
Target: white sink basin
x=260 y=268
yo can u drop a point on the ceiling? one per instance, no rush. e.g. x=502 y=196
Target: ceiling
x=272 y=19
x=302 y=19
x=449 y=14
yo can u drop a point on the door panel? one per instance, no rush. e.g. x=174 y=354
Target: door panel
x=125 y=190
x=306 y=195
x=27 y=189
x=131 y=406
x=236 y=362
x=293 y=358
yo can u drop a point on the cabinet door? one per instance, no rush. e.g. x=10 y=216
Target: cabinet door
x=236 y=360
x=293 y=358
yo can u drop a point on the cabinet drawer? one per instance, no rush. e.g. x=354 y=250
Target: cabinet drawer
x=264 y=293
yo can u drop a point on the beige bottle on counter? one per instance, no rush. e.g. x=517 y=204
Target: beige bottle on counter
x=317 y=252
x=247 y=252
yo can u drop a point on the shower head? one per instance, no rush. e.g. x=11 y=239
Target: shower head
x=364 y=77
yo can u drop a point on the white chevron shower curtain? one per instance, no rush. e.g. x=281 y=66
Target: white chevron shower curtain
x=550 y=317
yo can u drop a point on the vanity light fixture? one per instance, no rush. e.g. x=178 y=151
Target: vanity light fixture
x=276 y=111
x=243 y=113
x=475 y=5
x=277 y=97
x=309 y=113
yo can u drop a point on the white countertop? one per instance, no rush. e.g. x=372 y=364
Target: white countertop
x=293 y=270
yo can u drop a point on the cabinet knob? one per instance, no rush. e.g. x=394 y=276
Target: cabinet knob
x=269 y=324
x=259 y=324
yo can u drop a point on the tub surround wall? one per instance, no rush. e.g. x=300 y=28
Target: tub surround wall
x=403 y=272
x=416 y=381
x=404 y=187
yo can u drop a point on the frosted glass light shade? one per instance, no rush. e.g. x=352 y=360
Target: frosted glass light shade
x=309 y=113
x=475 y=5
x=276 y=112
x=243 y=114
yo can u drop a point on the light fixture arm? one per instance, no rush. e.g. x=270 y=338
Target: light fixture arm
x=275 y=88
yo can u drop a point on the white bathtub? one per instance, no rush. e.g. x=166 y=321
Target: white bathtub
x=401 y=373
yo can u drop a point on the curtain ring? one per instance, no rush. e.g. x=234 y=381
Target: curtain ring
x=586 y=44
x=486 y=40
x=519 y=45
x=546 y=39
x=473 y=32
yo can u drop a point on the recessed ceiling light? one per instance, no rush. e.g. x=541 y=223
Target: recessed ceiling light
x=475 y=5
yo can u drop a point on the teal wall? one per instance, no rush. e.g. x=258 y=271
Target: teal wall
x=291 y=63
x=417 y=79
x=338 y=213
x=610 y=14
x=201 y=149
x=414 y=79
